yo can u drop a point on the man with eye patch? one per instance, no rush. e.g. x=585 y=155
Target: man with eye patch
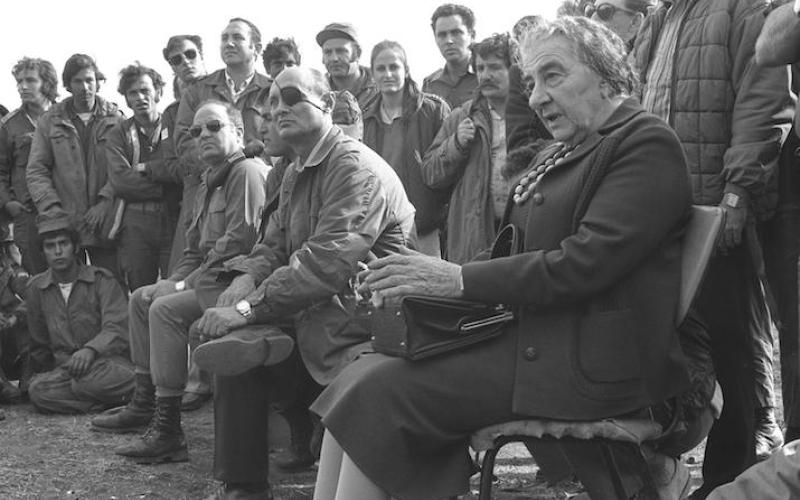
x=229 y=203
x=338 y=201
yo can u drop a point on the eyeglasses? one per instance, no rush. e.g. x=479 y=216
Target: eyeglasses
x=292 y=95
x=213 y=126
x=605 y=11
x=188 y=55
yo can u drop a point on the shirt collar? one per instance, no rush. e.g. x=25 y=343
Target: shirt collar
x=232 y=86
x=85 y=273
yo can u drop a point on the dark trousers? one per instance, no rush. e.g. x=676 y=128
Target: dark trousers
x=731 y=304
x=103 y=257
x=26 y=237
x=241 y=408
x=781 y=240
x=781 y=237
x=145 y=244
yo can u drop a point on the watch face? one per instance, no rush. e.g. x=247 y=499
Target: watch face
x=243 y=307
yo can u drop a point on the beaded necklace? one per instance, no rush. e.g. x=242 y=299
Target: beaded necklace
x=529 y=181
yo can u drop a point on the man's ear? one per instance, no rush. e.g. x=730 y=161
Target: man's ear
x=159 y=95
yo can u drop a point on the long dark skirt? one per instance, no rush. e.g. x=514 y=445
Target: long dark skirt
x=407 y=424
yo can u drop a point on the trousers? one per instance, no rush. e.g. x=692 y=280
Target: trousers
x=108 y=383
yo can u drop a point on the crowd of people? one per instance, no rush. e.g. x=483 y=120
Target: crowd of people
x=223 y=248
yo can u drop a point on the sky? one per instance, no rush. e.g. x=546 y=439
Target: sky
x=118 y=33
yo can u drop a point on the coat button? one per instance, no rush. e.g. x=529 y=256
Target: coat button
x=530 y=353
x=538 y=198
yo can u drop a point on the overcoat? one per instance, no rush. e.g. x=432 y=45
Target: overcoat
x=596 y=289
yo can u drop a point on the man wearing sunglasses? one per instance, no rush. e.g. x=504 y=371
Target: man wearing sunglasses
x=230 y=200
x=695 y=59
x=623 y=17
x=339 y=201
x=184 y=53
x=238 y=84
x=340 y=54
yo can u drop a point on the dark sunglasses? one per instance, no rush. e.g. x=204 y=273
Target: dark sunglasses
x=213 y=126
x=292 y=95
x=188 y=55
x=605 y=11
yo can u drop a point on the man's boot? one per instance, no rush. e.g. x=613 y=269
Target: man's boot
x=164 y=441
x=244 y=349
x=298 y=456
x=9 y=393
x=768 y=435
x=134 y=416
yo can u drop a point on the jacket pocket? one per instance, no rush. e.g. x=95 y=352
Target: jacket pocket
x=216 y=216
x=608 y=347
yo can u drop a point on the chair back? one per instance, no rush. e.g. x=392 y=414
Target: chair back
x=699 y=241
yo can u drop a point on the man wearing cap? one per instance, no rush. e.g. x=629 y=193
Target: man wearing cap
x=339 y=200
x=78 y=323
x=229 y=200
x=67 y=169
x=238 y=84
x=454 y=30
x=340 y=54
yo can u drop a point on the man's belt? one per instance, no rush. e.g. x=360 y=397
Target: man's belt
x=147 y=206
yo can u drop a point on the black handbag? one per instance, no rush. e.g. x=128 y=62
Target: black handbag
x=424 y=326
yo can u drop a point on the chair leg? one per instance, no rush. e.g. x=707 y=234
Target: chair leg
x=487 y=472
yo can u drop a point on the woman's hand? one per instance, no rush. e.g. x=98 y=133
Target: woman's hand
x=390 y=278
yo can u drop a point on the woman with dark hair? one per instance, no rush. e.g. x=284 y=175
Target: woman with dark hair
x=400 y=124
x=594 y=291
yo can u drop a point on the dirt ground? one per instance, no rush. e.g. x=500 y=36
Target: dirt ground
x=59 y=457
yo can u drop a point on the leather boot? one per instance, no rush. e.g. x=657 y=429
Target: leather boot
x=769 y=436
x=298 y=456
x=164 y=441
x=132 y=417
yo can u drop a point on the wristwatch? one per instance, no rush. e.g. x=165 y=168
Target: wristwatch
x=732 y=200
x=244 y=308
x=180 y=286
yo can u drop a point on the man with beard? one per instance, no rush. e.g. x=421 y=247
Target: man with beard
x=67 y=170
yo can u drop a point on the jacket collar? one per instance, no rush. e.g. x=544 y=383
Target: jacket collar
x=323 y=148
x=219 y=83
x=412 y=102
x=628 y=109
x=85 y=274
x=102 y=108
x=364 y=82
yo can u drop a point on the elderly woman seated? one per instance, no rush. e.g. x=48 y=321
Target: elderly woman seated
x=594 y=289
